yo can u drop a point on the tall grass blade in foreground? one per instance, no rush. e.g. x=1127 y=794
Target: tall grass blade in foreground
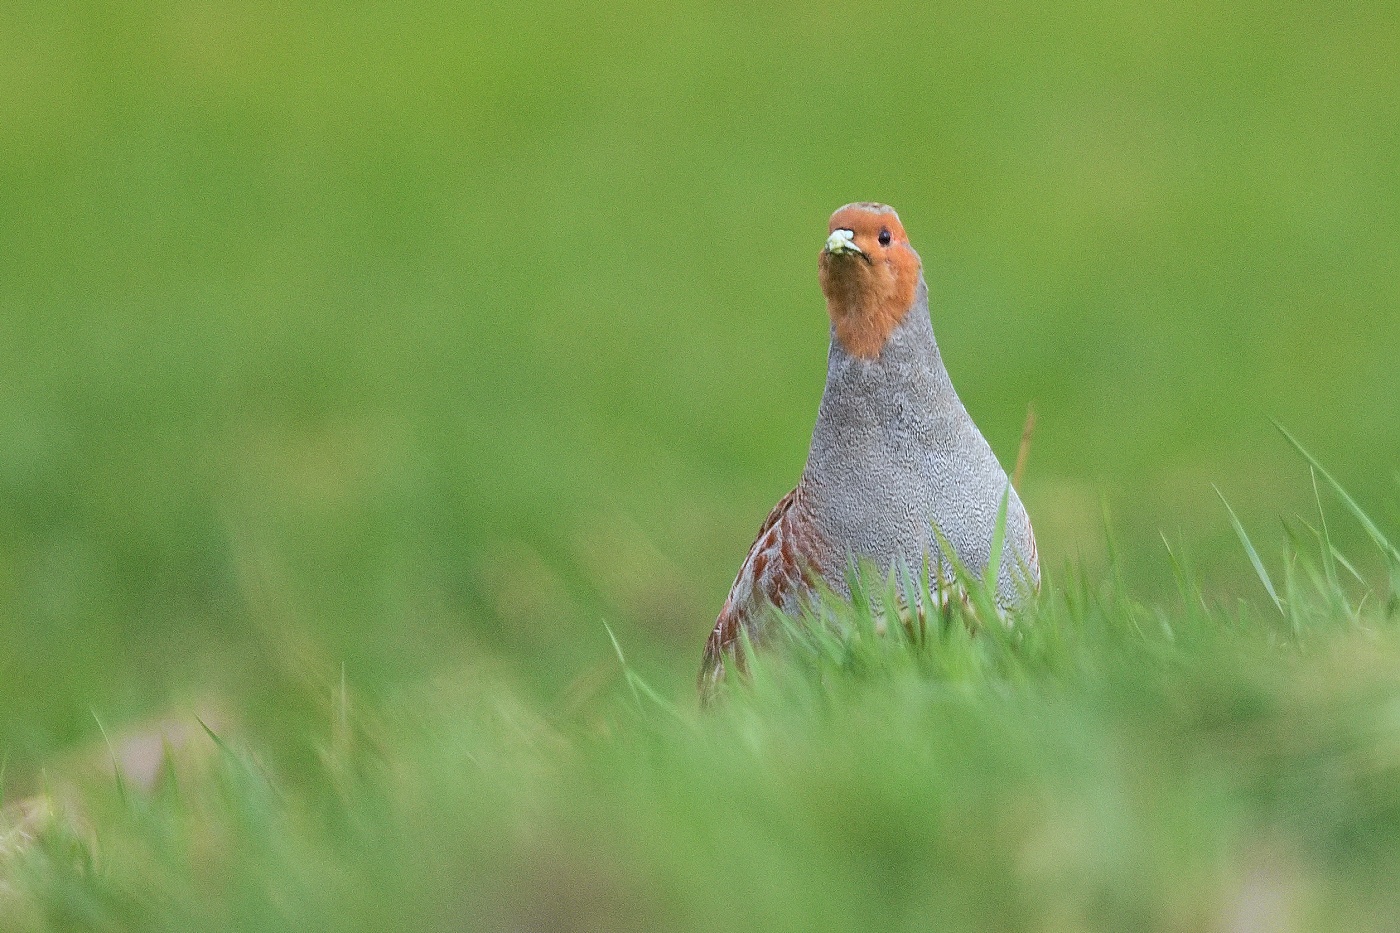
x=1251 y=552
x=1381 y=541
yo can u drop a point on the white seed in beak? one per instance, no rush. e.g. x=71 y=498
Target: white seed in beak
x=842 y=241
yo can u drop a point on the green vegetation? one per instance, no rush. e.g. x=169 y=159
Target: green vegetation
x=359 y=362
x=1099 y=766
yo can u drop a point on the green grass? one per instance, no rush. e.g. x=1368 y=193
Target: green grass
x=1102 y=764
x=362 y=365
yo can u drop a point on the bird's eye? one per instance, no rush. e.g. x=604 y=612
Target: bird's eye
x=884 y=236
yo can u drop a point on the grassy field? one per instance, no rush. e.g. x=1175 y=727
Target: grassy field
x=358 y=363
x=1103 y=765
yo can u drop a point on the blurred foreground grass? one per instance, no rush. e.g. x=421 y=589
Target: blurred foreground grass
x=432 y=332
x=1104 y=765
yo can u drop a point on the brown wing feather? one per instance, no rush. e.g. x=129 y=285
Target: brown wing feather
x=780 y=566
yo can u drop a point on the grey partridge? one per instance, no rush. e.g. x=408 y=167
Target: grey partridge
x=894 y=453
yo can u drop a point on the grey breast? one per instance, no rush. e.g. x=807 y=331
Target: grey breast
x=894 y=452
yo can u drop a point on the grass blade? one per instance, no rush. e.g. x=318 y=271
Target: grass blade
x=1024 y=451
x=617 y=647
x=112 y=753
x=1372 y=529
x=1329 y=565
x=1253 y=554
x=1186 y=585
x=998 y=543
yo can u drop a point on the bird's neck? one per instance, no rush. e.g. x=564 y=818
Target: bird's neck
x=883 y=407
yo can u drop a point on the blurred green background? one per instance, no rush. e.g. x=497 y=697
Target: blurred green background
x=395 y=335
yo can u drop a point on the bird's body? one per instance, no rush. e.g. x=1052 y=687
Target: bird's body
x=894 y=453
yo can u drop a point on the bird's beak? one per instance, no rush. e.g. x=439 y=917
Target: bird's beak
x=841 y=242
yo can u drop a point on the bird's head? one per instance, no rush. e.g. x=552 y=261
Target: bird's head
x=869 y=274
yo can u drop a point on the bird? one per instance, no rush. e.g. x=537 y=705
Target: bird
x=896 y=464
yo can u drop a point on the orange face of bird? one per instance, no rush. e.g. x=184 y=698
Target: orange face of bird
x=869 y=274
